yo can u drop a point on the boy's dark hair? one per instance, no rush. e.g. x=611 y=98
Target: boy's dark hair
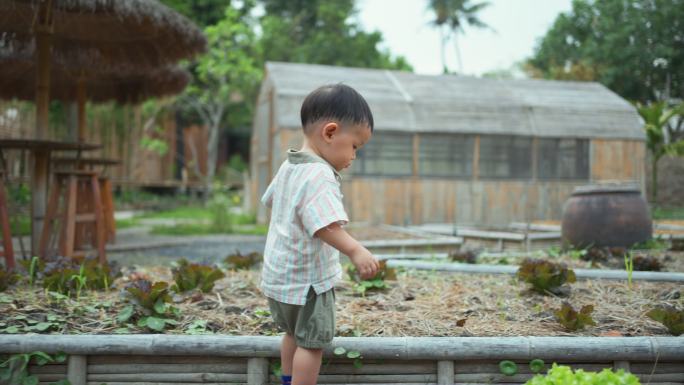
x=336 y=102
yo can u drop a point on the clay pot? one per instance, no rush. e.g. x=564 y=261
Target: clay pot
x=606 y=216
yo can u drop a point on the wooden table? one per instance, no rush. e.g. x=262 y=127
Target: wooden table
x=40 y=154
x=86 y=161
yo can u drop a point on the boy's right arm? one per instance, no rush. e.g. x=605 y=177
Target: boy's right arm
x=337 y=237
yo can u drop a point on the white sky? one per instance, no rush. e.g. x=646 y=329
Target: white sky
x=406 y=30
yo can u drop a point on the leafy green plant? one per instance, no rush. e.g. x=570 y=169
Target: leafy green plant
x=69 y=276
x=545 y=276
x=629 y=267
x=351 y=354
x=7 y=279
x=669 y=316
x=150 y=305
x=508 y=368
x=238 y=261
x=190 y=276
x=15 y=369
x=221 y=218
x=376 y=283
x=561 y=374
x=647 y=263
x=466 y=256
x=536 y=365
x=573 y=320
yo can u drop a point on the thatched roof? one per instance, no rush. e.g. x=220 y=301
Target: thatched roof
x=113 y=35
x=403 y=101
x=18 y=80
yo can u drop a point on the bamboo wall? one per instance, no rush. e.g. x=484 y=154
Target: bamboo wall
x=416 y=200
x=121 y=131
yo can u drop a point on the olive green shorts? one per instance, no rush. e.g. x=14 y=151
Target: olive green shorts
x=313 y=324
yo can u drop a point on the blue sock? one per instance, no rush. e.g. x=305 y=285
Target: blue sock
x=287 y=380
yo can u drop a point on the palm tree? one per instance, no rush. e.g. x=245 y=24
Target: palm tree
x=450 y=16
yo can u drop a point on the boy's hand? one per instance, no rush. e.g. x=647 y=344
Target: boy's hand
x=366 y=264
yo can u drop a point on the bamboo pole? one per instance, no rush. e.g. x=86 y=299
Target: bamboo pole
x=503 y=269
x=581 y=349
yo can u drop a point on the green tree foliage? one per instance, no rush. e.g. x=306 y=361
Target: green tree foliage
x=321 y=32
x=226 y=77
x=635 y=48
x=450 y=17
x=664 y=126
x=203 y=12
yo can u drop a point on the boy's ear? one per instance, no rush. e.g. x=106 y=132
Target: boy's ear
x=329 y=129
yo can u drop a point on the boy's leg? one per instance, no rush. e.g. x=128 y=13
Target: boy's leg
x=287 y=352
x=306 y=365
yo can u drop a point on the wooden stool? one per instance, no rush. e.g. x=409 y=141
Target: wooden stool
x=82 y=203
x=7 y=250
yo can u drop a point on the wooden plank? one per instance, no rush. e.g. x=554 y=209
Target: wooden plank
x=376 y=378
x=134 y=359
x=162 y=383
x=169 y=377
x=660 y=367
x=48 y=369
x=239 y=368
x=409 y=367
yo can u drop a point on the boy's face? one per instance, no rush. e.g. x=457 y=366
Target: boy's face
x=343 y=142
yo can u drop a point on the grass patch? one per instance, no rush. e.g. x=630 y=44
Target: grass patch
x=668 y=213
x=188 y=229
x=126 y=223
x=185 y=212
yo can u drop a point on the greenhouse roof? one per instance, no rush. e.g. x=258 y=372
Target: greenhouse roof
x=403 y=101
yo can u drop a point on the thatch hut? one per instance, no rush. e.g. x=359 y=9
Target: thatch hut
x=458 y=149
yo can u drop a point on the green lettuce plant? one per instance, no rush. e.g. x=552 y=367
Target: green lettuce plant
x=545 y=276
x=150 y=305
x=561 y=374
x=573 y=320
x=672 y=318
x=190 y=276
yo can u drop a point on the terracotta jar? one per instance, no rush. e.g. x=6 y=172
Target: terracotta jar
x=606 y=215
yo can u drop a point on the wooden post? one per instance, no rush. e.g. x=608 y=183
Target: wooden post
x=621 y=365
x=40 y=159
x=445 y=372
x=476 y=158
x=81 y=97
x=257 y=371
x=7 y=250
x=43 y=58
x=77 y=370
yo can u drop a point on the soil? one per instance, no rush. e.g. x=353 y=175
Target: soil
x=418 y=303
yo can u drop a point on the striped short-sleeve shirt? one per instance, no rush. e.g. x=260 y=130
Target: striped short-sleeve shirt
x=304 y=197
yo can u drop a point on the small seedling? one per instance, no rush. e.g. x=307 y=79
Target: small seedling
x=508 y=368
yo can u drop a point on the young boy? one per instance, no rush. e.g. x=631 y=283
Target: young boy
x=305 y=235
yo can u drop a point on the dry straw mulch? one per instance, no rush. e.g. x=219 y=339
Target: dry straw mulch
x=417 y=304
